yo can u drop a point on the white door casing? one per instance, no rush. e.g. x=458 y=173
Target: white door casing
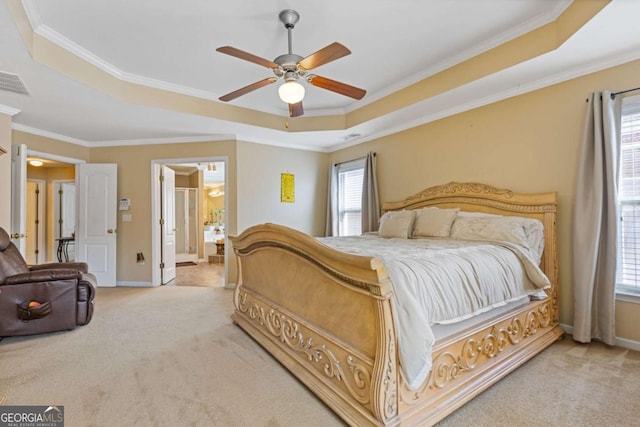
x=95 y=239
x=18 y=231
x=168 y=224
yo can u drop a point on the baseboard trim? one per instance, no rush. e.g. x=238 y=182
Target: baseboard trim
x=230 y=286
x=134 y=285
x=620 y=342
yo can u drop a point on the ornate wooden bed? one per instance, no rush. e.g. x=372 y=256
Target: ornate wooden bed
x=327 y=317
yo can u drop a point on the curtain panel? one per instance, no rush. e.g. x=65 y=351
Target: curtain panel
x=595 y=224
x=331 y=226
x=370 y=198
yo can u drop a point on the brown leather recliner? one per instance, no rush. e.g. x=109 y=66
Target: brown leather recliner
x=42 y=298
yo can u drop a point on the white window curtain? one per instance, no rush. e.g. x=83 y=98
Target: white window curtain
x=370 y=198
x=331 y=228
x=595 y=225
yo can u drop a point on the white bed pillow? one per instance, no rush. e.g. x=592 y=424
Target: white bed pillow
x=434 y=222
x=478 y=214
x=396 y=224
x=526 y=232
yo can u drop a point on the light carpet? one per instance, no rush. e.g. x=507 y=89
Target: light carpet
x=170 y=356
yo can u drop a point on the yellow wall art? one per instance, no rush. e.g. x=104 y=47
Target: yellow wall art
x=287 y=188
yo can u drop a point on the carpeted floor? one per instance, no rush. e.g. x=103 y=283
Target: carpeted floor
x=170 y=356
x=200 y=274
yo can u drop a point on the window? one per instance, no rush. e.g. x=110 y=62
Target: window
x=628 y=280
x=350 y=176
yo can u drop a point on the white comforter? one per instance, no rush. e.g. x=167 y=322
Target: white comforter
x=441 y=281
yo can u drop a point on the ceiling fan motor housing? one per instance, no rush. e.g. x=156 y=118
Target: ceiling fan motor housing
x=288 y=64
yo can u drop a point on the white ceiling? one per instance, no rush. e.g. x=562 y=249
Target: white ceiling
x=394 y=43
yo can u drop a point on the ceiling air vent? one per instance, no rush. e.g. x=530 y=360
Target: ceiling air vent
x=12 y=83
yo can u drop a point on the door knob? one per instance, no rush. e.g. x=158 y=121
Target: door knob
x=111 y=231
x=15 y=235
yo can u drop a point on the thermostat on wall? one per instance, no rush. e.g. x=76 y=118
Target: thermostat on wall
x=124 y=204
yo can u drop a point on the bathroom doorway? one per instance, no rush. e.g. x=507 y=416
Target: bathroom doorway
x=199 y=222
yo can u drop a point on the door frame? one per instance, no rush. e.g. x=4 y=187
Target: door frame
x=156 y=209
x=47 y=156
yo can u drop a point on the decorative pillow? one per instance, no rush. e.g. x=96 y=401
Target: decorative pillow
x=396 y=224
x=479 y=214
x=434 y=222
x=525 y=232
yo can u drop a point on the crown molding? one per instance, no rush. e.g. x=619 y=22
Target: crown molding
x=158 y=141
x=119 y=143
x=32 y=13
x=48 y=134
x=9 y=111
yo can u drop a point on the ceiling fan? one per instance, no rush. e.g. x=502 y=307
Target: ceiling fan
x=291 y=67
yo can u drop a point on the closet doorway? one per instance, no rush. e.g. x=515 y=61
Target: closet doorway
x=50 y=208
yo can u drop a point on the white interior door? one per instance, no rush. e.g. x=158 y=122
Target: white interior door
x=168 y=222
x=95 y=237
x=68 y=209
x=19 y=197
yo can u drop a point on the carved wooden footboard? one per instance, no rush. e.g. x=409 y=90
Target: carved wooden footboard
x=327 y=317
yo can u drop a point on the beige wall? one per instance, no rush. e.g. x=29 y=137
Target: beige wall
x=134 y=182
x=259 y=169
x=527 y=143
x=5 y=172
x=182 y=181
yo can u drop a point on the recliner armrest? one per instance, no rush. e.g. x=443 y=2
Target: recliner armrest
x=80 y=266
x=43 y=276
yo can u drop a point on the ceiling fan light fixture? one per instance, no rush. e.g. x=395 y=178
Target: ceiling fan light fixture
x=291 y=92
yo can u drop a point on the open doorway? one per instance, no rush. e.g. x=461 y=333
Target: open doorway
x=50 y=210
x=189 y=237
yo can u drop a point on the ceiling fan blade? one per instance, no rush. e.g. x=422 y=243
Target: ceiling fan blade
x=247 y=56
x=338 y=87
x=325 y=55
x=296 y=110
x=250 y=88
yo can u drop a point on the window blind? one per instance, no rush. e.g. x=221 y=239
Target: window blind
x=628 y=279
